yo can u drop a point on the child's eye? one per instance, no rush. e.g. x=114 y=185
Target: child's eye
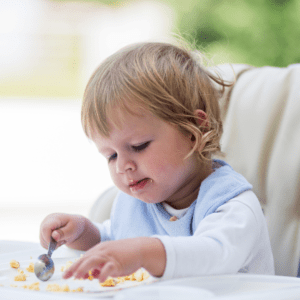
x=141 y=147
x=112 y=157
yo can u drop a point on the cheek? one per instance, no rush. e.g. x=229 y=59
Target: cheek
x=166 y=163
x=112 y=173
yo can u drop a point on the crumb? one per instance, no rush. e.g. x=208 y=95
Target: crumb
x=146 y=275
x=14 y=264
x=132 y=277
x=53 y=287
x=108 y=282
x=138 y=275
x=120 y=279
x=30 y=268
x=90 y=277
x=13 y=285
x=78 y=290
x=57 y=288
x=65 y=288
x=34 y=286
x=20 y=277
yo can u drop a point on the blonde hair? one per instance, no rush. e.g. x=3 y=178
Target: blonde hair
x=167 y=80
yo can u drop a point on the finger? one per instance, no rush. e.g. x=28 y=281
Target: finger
x=88 y=264
x=58 y=234
x=49 y=224
x=69 y=231
x=96 y=273
x=109 y=269
x=72 y=269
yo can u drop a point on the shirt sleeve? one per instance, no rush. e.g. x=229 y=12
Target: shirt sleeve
x=222 y=242
x=104 y=229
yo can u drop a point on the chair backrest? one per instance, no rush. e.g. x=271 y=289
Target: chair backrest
x=261 y=140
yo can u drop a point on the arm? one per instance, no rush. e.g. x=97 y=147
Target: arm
x=120 y=258
x=224 y=241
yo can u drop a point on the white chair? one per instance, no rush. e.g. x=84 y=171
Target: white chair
x=261 y=140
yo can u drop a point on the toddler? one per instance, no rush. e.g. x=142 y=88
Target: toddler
x=153 y=111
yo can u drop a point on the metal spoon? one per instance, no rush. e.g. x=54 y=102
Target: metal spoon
x=44 y=267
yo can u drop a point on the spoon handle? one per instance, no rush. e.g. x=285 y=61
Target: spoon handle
x=52 y=246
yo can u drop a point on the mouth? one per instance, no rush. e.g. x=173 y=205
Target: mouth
x=134 y=183
x=139 y=185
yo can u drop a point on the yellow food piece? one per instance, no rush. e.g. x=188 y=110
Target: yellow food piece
x=14 y=264
x=34 y=286
x=20 y=277
x=65 y=288
x=30 y=268
x=108 y=282
x=120 y=279
x=79 y=290
x=90 y=277
x=139 y=276
x=57 y=288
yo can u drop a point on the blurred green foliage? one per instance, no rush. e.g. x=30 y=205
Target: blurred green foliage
x=255 y=32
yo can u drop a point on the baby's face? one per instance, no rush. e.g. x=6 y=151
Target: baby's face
x=146 y=159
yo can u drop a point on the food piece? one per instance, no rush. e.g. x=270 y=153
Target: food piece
x=57 y=288
x=146 y=275
x=20 y=277
x=34 y=286
x=78 y=290
x=120 y=279
x=14 y=264
x=109 y=282
x=90 y=277
x=141 y=275
x=30 y=268
x=65 y=288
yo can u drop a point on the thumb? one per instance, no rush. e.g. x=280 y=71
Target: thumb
x=66 y=234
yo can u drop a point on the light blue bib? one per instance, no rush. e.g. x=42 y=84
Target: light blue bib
x=133 y=218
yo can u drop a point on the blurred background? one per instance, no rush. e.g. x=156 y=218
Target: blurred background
x=48 y=50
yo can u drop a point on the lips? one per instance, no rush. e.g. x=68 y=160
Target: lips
x=138 y=186
x=133 y=183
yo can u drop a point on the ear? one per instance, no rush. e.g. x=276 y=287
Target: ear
x=201 y=118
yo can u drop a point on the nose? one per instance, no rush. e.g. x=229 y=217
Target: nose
x=125 y=164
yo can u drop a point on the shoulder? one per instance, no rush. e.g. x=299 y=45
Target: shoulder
x=246 y=204
x=220 y=187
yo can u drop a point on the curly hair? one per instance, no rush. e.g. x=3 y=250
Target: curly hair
x=167 y=80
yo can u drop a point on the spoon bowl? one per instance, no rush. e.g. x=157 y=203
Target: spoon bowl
x=44 y=267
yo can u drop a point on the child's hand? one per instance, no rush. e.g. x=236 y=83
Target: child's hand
x=73 y=230
x=120 y=258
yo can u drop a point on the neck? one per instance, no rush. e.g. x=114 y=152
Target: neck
x=188 y=192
